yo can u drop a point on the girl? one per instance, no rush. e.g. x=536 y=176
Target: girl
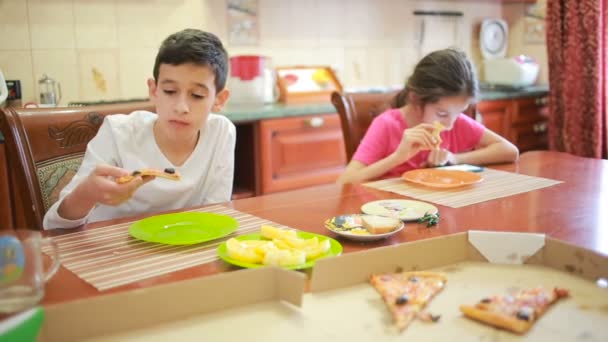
x=401 y=139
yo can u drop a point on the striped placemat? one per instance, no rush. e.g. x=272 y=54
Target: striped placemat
x=109 y=257
x=495 y=184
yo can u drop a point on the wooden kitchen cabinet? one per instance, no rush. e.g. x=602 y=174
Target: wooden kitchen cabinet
x=301 y=151
x=520 y=120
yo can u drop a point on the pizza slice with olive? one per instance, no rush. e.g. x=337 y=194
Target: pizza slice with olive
x=407 y=293
x=168 y=173
x=516 y=312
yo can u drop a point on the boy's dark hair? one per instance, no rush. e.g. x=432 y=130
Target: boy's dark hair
x=198 y=47
x=441 y=73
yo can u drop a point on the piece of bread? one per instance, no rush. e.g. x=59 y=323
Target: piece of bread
x=436 y=131
x=380 y=224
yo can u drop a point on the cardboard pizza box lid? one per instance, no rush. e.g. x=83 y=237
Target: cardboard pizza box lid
x=73 y=321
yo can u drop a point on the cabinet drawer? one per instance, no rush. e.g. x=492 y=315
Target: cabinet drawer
x=530 y=136
x=495 y=115
x=300 y=151
x=529 y=109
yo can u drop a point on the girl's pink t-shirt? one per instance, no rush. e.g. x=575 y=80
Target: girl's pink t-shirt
x=384 y=135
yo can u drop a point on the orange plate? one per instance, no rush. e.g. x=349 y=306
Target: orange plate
x=442 y=178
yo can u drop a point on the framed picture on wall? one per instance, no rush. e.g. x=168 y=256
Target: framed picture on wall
x=243 y=24
x=301 y=84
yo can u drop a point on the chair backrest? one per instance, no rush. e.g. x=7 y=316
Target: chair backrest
x=358 y=110
x=45 y=147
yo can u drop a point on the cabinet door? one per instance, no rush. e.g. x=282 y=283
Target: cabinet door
x=300 y=151
x=529 y=124
x=495 y=115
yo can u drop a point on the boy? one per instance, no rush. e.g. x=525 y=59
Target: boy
x=190 y=74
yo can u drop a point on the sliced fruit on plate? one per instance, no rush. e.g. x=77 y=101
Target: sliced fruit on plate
x=271 y=233
x=315 y=251
x=284 y=257
x=245 y=252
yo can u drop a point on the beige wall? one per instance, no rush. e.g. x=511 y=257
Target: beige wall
x=368 y=42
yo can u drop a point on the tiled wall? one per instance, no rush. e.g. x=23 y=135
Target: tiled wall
x=368 y=42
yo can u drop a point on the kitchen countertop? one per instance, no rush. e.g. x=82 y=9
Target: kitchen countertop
x=239 y=113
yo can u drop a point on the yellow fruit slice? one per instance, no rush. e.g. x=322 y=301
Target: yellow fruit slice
x=300 y=243
x=315 y=251
x=242 y=252
x=271 y=233
x=284 y=257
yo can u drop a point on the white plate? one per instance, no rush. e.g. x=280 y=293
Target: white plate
x=354 y=221
x=405 y=210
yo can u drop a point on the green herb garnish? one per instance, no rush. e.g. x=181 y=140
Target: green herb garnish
x=430 y=219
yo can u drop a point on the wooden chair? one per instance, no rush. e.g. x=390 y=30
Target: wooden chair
x=358 y=110
x=45 y=147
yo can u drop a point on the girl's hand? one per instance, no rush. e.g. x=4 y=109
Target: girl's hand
x=101 y=187
x=440 y=157
x=416 y=139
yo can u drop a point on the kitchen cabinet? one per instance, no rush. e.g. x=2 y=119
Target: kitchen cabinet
x=301 y=151
x=520 y=120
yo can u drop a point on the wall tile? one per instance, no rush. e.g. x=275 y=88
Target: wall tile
x=14 y=25
x=17 y=65
x=51 y=24
x=62 y=66
x=177 y=15
x=135 y=67
x=367 y=42
x=138 y=24
x=95 y=24
x=98 y=71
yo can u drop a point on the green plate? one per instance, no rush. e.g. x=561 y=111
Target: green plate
x=335 y=249
x=183 y=228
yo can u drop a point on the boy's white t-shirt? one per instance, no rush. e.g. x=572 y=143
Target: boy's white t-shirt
x=127 y=141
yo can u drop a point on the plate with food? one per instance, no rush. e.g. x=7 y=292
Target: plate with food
x=437 y=178
x=273 y=246
x=363 y=227
x=405 y=210
x=186 y=228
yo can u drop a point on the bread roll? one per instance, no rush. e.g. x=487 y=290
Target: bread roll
x=380 y=224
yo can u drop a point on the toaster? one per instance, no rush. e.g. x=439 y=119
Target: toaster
x=519 y=71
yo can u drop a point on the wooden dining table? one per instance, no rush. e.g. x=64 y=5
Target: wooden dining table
x=575 y=211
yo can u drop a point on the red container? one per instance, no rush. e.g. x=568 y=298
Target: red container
x=247 y=67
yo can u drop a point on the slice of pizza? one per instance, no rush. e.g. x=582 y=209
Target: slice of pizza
x=168 y=173
x=407 y=293
x=438 y=127
x=517 y=312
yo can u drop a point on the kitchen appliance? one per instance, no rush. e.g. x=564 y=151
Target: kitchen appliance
x=3 y=90
x=252 y=80
x=50 y=91
x=519 y=71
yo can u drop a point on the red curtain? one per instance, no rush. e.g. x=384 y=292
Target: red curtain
x=577 y=50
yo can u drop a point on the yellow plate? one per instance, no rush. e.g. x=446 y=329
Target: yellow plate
x=442 y=178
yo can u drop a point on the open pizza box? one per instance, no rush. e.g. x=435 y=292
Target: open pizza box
x=263 y=304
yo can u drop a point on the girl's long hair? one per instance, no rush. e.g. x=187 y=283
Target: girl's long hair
x=441 y=73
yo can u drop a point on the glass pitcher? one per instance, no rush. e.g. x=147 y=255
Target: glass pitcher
x=50 y=91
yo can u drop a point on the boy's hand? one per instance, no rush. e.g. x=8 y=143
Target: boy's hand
x=416 y=139
x=440 y=157
x=100 y=186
